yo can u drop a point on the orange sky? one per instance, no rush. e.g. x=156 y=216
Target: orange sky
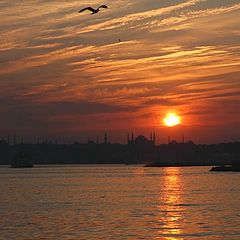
x=66 y=75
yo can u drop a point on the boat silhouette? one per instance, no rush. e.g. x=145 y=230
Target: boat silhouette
x=235 y=167
x=22 y=161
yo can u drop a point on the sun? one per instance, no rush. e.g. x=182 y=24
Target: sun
x=171 y=120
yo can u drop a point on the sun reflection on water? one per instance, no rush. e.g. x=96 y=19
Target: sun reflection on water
x=170 y=209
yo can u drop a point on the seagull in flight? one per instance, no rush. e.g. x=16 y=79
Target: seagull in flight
x=92 y=9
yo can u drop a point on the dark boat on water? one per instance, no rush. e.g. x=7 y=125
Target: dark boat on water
x=235 y=167
x=22 y=161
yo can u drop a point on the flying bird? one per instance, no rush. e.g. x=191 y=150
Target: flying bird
x=92 y=9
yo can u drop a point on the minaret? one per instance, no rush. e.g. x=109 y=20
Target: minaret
x=151 y=137
x=128 y=140
x=105 y=138
x=154 y=139
x=132 y=137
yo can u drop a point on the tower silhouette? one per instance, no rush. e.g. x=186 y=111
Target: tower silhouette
x=183 y=139
x=105 y=138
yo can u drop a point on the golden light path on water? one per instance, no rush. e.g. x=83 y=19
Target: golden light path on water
x=170 y=204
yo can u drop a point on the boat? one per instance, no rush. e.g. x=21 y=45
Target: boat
x=235 y=167
x=22 y=161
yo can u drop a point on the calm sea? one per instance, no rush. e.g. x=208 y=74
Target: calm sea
x=118 y=202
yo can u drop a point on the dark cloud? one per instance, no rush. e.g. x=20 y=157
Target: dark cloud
x=162 y=102
x=17 y=112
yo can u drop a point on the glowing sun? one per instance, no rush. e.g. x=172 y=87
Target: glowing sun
x=171 y=120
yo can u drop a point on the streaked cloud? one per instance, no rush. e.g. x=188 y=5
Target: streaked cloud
x=126 y=66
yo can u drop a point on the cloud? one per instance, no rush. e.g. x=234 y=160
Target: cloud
x=60 y=66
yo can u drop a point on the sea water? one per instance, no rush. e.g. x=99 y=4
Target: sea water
x=118 y=202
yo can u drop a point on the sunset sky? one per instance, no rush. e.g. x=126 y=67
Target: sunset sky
x=66 y=75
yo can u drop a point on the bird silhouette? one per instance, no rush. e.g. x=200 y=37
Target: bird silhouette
x=92 y=9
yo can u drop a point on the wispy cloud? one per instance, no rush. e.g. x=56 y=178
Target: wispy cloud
x=127 y=65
